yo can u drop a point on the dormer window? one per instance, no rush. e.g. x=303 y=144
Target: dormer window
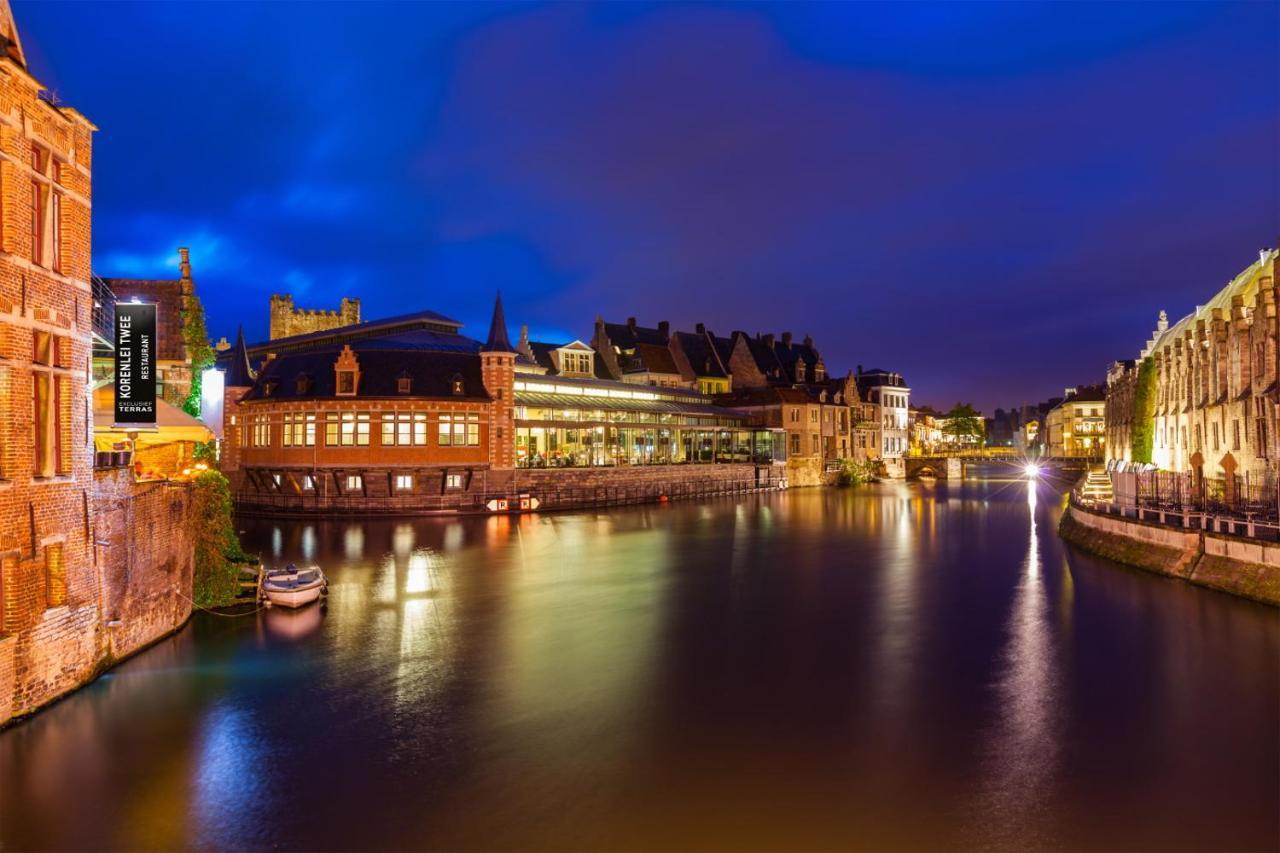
x=458 y=386
x=268 y=388
x=303 y=383
x=819 y=372
x=346 y=373
x=799 y=371
x=404 y=384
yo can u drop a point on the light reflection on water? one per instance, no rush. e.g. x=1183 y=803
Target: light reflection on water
x=906 y=667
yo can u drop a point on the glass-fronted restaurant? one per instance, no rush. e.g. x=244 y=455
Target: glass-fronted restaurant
x=563 y=422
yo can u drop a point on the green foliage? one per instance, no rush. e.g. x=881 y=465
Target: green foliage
x=855 y=472
x=196 y=337
x=963 y=421
x=1142 y=433
x=206 y=451
x=217 y=548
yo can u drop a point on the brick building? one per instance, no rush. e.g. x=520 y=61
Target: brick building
x=286 y=321
x=75 y=591
x=175 y=301
x=408 y=414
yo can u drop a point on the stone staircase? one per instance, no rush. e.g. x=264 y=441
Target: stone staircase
x=1097 y=485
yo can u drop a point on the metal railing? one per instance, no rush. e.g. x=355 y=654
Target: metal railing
x=1241 y=505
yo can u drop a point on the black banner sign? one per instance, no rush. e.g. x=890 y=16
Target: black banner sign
x=135 y=329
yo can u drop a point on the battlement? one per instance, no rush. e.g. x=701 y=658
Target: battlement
x=286 y=320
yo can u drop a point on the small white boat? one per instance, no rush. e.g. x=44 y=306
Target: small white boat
x=294 y=587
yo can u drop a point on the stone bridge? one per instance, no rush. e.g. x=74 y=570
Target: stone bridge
x=942 y=467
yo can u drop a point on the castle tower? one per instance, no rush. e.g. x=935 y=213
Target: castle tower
x=287 y=321
x=239 y=380
x=498 y=367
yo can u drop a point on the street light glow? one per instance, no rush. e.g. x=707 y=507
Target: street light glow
x=1032 y=470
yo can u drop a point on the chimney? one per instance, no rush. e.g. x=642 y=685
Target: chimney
x=664 y=328
x=859 y=369
x=808 y=341
x=524 y=337
x=767 y=340
x=184 y=262
x=631 y=323
x=786 y=339
x=700 y=329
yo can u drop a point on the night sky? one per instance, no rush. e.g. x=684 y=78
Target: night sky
x=994 y=199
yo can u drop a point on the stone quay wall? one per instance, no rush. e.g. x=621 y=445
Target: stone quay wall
x=555 y=488
x=1249 y=568
x=135 y=590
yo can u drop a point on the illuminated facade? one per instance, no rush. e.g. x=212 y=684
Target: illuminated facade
x=1077 y=425
x=1216 y=382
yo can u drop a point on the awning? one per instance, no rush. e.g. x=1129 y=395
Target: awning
x=172 y=425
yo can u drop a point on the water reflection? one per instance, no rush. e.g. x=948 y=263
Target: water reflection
x=892 y=667
x=1024 y=744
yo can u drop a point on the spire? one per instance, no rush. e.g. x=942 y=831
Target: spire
x=498 y=340
x=239 y=374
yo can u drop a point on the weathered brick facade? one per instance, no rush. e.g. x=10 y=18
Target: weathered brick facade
x=287 y=321
x=66 y=608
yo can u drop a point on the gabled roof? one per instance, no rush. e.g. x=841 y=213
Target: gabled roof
x=765 y=357
x=702 y=355
x=418 y=320
x=651 y=358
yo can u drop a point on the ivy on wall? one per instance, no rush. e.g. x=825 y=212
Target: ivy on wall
x=217 y=547
x=1142 y=434
x=196 y=337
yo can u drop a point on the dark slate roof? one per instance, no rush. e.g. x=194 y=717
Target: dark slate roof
x=542 y=354
x=655 y=358
x=877 y=377
x=703 y=357
x=627 y=336
x=765 y=356
x=1088 y=394
x=431 y=374
x=239 y=373
x=498 y=340
x=418 y=320
x=789 y=354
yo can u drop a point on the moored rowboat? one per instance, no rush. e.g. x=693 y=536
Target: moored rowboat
x=294 y=587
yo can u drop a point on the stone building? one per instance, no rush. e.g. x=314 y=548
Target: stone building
x=77 y=586
x=286 y=321
x=1216 y=383
x=176 y=302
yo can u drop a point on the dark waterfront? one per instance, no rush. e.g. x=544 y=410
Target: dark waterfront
x=904 y=666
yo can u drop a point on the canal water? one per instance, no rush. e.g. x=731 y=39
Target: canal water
x=905 y=666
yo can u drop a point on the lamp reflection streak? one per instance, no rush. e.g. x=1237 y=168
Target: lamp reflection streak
x=1023 y=752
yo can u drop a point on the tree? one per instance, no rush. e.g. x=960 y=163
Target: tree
x=964 y=422
x=1142 y=433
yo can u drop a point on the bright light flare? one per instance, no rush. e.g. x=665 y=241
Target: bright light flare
x=1032 y=470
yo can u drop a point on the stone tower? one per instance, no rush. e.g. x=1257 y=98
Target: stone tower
x=498 y=367
x=287 y=321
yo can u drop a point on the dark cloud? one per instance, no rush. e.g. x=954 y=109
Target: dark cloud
x=994 y=198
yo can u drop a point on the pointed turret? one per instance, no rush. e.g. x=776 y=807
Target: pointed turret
x=498 y=340
x=239 y=373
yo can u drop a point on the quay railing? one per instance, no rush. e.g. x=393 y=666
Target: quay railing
x=549 y=498
x=1241 y=505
